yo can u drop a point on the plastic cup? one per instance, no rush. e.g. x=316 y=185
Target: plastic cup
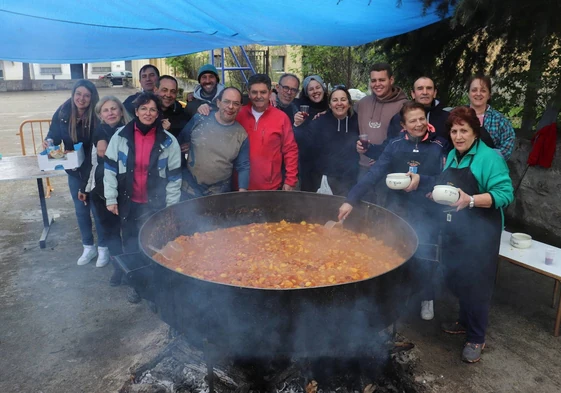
x=549 y=256
x=305 y=109
x=363 y=138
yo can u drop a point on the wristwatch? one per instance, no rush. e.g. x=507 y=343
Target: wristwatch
x=471 y=202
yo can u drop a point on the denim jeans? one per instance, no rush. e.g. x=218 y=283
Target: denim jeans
x=83 y=215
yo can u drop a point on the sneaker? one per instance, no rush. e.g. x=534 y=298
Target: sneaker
x=103 y=257
x=427 y=310
x=116 y=278
x=89 y=253
x=453 y=328
x=133 y=296
x=472 y=352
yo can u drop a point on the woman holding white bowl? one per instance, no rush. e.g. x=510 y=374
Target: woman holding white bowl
x=419 y=150
x=472 y=231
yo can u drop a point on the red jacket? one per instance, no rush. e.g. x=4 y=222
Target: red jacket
x=543 y=149
x=271 y=143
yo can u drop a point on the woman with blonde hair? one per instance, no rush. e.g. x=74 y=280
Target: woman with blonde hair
x=112 y=116
x=72 y=123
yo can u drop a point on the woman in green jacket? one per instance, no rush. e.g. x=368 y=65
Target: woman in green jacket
x=471 y=230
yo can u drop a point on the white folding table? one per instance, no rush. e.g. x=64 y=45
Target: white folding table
x=26 y=168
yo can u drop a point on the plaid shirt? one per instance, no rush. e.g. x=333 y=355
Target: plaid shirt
x=501 y=131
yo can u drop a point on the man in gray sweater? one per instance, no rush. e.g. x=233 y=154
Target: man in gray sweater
x=217 y=144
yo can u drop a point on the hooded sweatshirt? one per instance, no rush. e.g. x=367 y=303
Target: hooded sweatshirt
x=334 y=145
x=375 y=114
x=201 y=98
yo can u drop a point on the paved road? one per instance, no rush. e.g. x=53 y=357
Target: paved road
x=16 y=107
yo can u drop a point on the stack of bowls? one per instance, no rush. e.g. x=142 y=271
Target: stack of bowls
x=520 y=240
x=398 y=181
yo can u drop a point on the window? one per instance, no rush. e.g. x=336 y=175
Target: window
x=278 y=63
x=101 y=70
x=51 y=69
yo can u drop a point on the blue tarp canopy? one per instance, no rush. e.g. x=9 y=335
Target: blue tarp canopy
x=78 y=31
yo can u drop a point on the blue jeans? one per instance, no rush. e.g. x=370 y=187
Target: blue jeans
x=83 y=215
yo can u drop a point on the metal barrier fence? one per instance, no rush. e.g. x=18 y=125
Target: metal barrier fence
x=31 y=134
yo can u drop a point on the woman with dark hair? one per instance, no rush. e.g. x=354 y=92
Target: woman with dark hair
x=142 y=171
x=314 y=96
x=72 y=123
x=112 y=115
x=332 y=141
x=496 y=130
x=420 y=153
x=471 y=231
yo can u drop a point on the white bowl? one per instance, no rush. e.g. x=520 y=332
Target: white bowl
x=445 y=195
x=520 y=240
x=397 y=175
x=398 y=182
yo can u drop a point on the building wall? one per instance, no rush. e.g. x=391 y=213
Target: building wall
x=158 y=63
x=50 y=71
x=11 y=70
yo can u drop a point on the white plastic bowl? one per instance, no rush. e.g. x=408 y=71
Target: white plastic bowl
x=398 y=181
x=520 y=240
x=445 y=195
x=402 y=174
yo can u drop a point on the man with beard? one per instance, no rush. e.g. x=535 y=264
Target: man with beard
x=216 y=144
x=271 y=140
x=424 y=92
x=173 y=117
x=206 y=92
x=287 y=89
x=149 y=77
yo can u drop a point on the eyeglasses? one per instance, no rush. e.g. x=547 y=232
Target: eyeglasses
x=146 y=109
x=287 y=89
x=235 y=104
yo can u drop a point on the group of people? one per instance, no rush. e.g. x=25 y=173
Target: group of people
x=149 y=152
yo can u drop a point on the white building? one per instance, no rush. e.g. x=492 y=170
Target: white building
x=13 y=70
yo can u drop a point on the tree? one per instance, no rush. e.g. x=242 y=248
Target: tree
x=340 y=65
x=517 y=42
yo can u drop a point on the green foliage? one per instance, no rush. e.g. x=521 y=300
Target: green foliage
x=340 y=65
x=186 y=65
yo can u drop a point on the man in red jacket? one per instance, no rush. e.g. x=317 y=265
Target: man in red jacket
x=271 y=140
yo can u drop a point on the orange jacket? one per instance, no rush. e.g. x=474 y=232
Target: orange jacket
x=271 y=144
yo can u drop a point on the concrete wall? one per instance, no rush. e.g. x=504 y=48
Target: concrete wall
x=38 y=85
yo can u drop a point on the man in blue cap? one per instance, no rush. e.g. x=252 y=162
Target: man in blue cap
x=206 y=91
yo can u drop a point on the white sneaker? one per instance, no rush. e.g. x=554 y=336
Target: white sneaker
x=427 y=310
x=103 y=257
x=89 y=253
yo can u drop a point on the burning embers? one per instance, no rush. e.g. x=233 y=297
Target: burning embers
x=181 y=368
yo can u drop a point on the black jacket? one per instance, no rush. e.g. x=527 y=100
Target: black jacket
x=301 y=132
x=177 y=117
x=332 y=142
x=103 y=132
x=128 y=103
x=60 y=131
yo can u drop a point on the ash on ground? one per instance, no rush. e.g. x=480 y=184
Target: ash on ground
x=180 y=368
